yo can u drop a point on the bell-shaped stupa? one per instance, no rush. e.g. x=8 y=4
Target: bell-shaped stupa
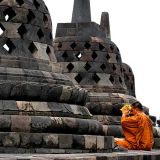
x=41 y=111
x=89 y=57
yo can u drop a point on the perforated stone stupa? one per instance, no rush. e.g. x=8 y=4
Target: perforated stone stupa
x=89 y=57
x=41 y=111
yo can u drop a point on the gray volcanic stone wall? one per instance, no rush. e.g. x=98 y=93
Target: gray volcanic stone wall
x=41 y=111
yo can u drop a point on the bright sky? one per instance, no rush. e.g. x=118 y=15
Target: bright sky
x=135 y=28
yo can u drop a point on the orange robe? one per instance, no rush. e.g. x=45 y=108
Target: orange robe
x=138 y=132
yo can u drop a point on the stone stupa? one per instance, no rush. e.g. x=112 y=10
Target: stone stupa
x=41 y=111
x=89 y=57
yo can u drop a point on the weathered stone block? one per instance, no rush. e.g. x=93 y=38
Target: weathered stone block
x=105 y=129
x=114 y=130
x=25 y=140
x=100 y=142
x=36 y=140
x=40 y=124
x=78 y=142
x=5 y=123
x=108 y=120
x=90 y=142
x=21 y=123
x=50 y=140
x=82 y=126
x=94 y=127
x=65 y=141
x=108 y=142
x=11 y=140
x=156 y=143
x=70 y=123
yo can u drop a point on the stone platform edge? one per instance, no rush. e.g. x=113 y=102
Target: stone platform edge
x=130 y=155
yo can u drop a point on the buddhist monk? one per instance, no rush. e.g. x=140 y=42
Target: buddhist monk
x=137 y=128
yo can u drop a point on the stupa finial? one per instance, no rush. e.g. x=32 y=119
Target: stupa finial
x=105 y=25
x=81 y=11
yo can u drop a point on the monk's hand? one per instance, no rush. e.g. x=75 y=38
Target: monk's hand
x=126 y=109
x=125 y=112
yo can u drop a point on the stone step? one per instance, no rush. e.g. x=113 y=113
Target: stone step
x=108 y=120
x=12 y=107
x=108 y=108
x=114 y=120
x=24 y=62
x=34 y=141
x=104 y=95
x=116 y=131
x=11 y=150
x=130 y=155
x=46 y=124
x=38 y=91
x=156 y=143
x=100 y=103
x=31 y=75
x=103 y=89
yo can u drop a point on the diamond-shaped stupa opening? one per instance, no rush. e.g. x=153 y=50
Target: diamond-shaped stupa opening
x=130 y=71
x=117 y=58
x=22 y=30
x=108 y=57
x=50 y=36
x=103 y=66
x=32 y=48
x=20 y=2
x=120 y=80
x=65 y=55
x=36 y=4
x=73 y=45
x=87 y=66
x=114 y=67
x=30 y=16
x=59 y=45
x=127 y=77
x=79 y=55
x=9 y=14
x=45 y=18
x=101 y=47
x=111 y=79
x=40 y=33
x=48 y=50
x=9 y=46
x=2 y=29
x=94 y=55
x=96 y=78
x=70 y=67
x=87 y=45
x=111 y=48
x=78 y=78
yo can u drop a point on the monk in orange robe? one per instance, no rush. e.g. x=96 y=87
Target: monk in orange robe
x=137 y=129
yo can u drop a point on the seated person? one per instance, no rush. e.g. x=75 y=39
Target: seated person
x=137 y=128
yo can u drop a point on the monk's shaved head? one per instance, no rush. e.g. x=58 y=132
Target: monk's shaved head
x=137 y=105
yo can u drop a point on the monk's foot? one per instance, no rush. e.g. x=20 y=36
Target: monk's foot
x=120 y=149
